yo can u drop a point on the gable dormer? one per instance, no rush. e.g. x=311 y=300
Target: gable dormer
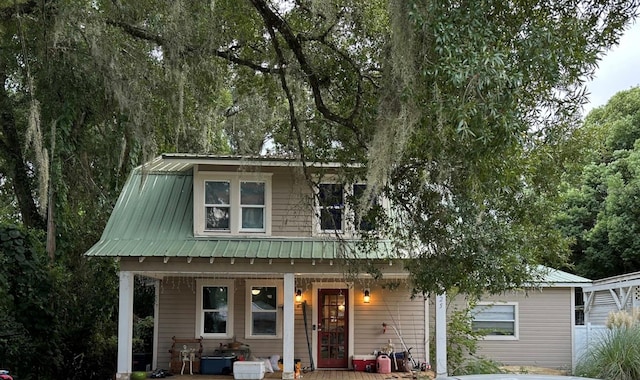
x=231 y=202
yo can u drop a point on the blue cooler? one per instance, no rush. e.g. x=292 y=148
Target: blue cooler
x=217 y=365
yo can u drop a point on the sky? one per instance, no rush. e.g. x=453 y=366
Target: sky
x=618 y=70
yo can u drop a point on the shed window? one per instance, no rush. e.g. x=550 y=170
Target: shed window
x=497 y=320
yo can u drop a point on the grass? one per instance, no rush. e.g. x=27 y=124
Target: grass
x=615 y=357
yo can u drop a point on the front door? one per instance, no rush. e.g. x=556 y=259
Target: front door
x=333 y=328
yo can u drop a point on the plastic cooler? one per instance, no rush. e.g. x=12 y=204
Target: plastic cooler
x=365 y=363
x=253 y=370
x=383 y=363
x=217 y=365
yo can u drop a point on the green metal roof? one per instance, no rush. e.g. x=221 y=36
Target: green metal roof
x=154 y=217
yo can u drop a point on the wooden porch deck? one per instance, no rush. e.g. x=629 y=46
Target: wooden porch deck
x=323 y=375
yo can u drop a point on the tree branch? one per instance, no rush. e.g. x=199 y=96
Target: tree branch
x=271 y=19
x=228 y=54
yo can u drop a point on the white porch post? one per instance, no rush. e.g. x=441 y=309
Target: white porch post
x=125 y=326
x=288 y=327
x=441 y=335
x=427 y=333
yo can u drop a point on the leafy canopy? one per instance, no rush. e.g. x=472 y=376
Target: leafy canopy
x=456 y=109
x=601 y=210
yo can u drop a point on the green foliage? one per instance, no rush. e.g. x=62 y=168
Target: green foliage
x=615 y=356
x=50 y=311
x=600 y=212
x=143 y=334
x=462 y=344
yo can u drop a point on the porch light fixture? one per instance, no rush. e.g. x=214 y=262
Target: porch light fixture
x=298 y=295
x=255 y=291
x=367 y=295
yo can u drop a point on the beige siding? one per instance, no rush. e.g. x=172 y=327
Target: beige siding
x=545 y=325
x=291 y=196
x=292 y=212
x=177 y=300
x=395 y=308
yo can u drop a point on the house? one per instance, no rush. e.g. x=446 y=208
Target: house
x=245 y=259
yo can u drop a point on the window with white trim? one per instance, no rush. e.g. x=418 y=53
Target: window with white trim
x=364 y=221
x=341 y=208
x=264 y=300
x=217 y=204
x=214 y=314
x=499 y=321
x=331 y=200
x=231 y=203
x=252 y=206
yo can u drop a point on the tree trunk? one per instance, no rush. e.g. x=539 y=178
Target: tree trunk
x=15 y=163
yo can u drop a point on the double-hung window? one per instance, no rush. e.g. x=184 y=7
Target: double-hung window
x=231 y=203
x=217 y=204
x=496 y=320
x=363 y=221
x=341 y=208
x=263 y=301
x=252 y=206
x=331 y=206
x=214 y=317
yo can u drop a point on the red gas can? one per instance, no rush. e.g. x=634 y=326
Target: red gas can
x=383 y=363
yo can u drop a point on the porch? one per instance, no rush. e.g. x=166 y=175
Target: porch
x=323 y=375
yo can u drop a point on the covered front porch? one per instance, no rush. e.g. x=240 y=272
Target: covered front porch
x=352 y=326
x=324 y=375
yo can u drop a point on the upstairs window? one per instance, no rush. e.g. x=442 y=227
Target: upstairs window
x=217 y=205
x=252 y=206
x=341 y=208
x=231 y=203
x=364 y=221
x=331 y=205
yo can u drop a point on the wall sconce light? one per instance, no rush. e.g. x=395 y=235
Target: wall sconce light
x=255 y=291
x=299 y=295
x=367 y=295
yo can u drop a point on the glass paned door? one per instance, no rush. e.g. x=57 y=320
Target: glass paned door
x=333 y=328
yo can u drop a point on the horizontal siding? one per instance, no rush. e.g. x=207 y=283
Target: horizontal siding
x=396 y=309
x=292 y=211
x=177 y=298
x=177 y=304
x=545 y=325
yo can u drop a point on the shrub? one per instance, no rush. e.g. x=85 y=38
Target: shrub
x=615 y=357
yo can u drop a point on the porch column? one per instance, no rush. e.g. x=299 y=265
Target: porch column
x=288 y=327
x=441 y=335
x=125 y=326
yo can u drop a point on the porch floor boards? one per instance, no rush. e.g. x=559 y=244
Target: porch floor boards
x=321 y=375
